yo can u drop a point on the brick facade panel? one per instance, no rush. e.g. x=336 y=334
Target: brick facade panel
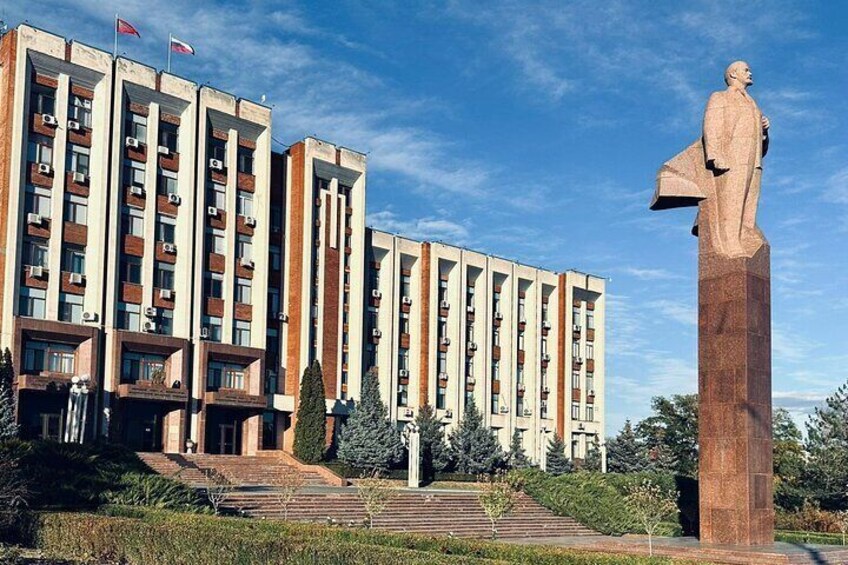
x=160 y=302
x=243 y=312
x=133 y=245
x=216 y=263
x=139 y=109
x=47 y=81
x=169 y=118
x=72 y=288
x=163 y=206
x=81 y=136
x=73 y=187
x=246 y=182
x=131 y=293
x=242 y=227
x=42 y=231
x=137 y=153
x=82 y=91
x=219 y=176
x=215 y=307
x=219 y=221
x=75 y=233
x=134 y=200
x=39 y=179
x=36 y=124
x=27 y=280
x=243 y=272
x=162 y=256
x=170 y=162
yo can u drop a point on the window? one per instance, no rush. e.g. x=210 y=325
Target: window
x=131 y=269
x=60 y=359
x=590 y=412
x=32 y=302
x=35 y=252
x=217 y=196
x=244 y=247
x=469 y=366
x=590 y=382
x=404 y=323
x=163 y=276
x=521 y=341
x=169 y=136
x=575 y=379
x=496 y=302
x=522 y=307
x=40 y=149
x=137 y=127
x=274 y=301
x=276 y=219
x=37 y=200
x=76 y=209
x=79 y=159
x=590 y=350
x=469 y=396
x=73 y=258
x=215 y=241
x=134 y=173
x=213 y=327
x=275 y=257
x=243 y=290
x=225 y=375
x=218 y=150
x=214 y=285
x=403 y=395
x=44 y=356
x=129 y=316
x=575 y=349
x=544 y=346
x=575 y=314
x=443 y=290
x=403 y=359
x=469 y=333
x=166 y=322
x=405 y=286
x=245 y=160
x=544 y=311
x=167 y=182
x=496 y=336
x=140 y=366
x=519 y=374
x=241 y=333
x=244 y=203
x=370 y=356
x=70 y=308
x=443 y=327
x=590 y=319
x=496 y=370
x=575 y=446
x=79 y=110
x=469 y=295
x=165 y=229
x=441 y=394
x=575 y=410
x=443 y=362
x=373 y=278
x=496 y=402
x=42 y=99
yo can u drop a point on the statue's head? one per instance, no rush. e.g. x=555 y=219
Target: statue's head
x=738 y=73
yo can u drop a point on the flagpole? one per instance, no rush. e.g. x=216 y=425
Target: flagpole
x=170 y=41
x=115 y=52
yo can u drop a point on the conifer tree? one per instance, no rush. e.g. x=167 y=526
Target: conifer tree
x=827 y=445
x=625 y=454
x=8 y=426
x=310 y=431
x=557 y=463
x=594 y=460
x=474 y=448
x=368 y=440
x=517 y=457
x=433 y=449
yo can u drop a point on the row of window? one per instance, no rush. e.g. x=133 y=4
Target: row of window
x=213 y=327
x=590 y=412
x=43 y=101
x=33 y=304
x=39 y=200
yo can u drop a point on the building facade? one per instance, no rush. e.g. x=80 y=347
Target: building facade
x=153 y=243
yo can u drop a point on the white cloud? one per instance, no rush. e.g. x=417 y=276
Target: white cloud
x=651 y=274
x=422 y=229
x=682 y=312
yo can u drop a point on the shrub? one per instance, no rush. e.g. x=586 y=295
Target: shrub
x=809 y=518
x=135 y=489
x=310 y=429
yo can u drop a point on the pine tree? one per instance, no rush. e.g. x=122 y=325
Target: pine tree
x=557 y=463
x=8 y=426
x=594 y=460
x=624 y=452
x=517 y=457
x=827 y=445
x=310 y=431
x=433 y=449
x=474 y=448
x=368 y=440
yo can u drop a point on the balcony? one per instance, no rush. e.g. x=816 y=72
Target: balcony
x=147 y=390
x=45 y=381
x=235 y=398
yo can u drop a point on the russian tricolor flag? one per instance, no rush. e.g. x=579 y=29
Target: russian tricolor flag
x=178 y=46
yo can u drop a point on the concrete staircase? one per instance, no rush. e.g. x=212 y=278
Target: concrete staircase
x=243 y=470
x=455 y=513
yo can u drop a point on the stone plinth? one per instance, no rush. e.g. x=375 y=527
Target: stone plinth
x=734 y=381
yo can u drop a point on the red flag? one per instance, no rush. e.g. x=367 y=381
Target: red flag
x=178 y=46
x=125 y=27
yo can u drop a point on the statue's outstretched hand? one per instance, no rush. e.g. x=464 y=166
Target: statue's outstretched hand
x=766 y=123
x=720 y=166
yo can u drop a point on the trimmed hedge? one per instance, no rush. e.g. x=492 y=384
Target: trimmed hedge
x=158 y=536
x=349 y=472
x=808 y=537
x=597 y=500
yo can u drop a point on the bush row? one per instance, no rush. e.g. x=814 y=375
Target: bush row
x=809 y=518
x=156 y=536
x=597 y=500
x=808 y=537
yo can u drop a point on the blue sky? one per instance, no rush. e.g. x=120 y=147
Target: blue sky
x=534 y=131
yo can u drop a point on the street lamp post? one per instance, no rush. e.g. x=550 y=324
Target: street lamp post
x=77 y=409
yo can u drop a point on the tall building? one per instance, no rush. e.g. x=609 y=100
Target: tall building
x=152 y=242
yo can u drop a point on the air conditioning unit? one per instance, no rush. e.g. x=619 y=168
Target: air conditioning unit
x=409 y=413
x=163 y=150
x=403 y=373
x=137 y=191
x=445 y=341
x=470 y=380
x=575 y=327
x=169 y=248
x=504 y=409
x=89 y=316
x=204 y=333
x=498 y=316
x=469 y=309
x=546 y=390
x=250 y=221
x=131 y=142
x=151 y=312
x=443 y=376
x=282 y=316
x=166 y=293
x=212 y=211
x=246 y=262
x=48 y=119
x=591 y=392
x=44 y=169
x=75 y=278
x=472 y=346
x=174 y=199
x=444 y=305
x=546 y=325
x=528 y=412
x=36 y=271
x=448 y=413
x=79 y=178
x=546 y=357
x=579 y=360
x=522 y=387
x=406 y=301
x=376 y=333
x=376 y=294
x=149 y=327
x=73 y=126
x=522 y=321
x=581 y=427
x=216 y=164
x=35 y=219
